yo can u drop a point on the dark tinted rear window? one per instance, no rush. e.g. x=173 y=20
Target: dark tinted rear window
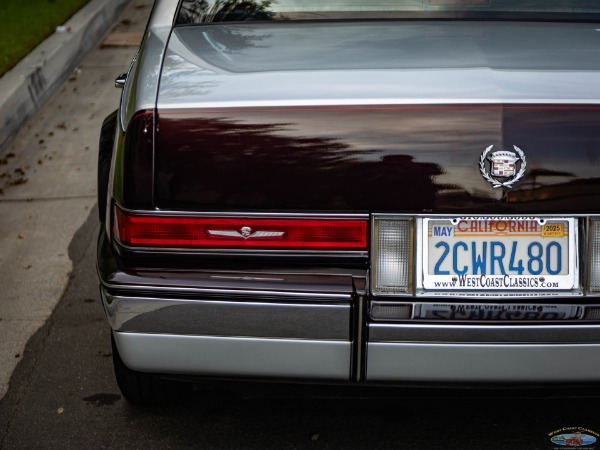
x=206 y=11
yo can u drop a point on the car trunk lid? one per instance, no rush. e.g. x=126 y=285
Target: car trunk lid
x=384 y=117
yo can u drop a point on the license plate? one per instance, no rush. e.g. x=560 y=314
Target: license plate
x=493 y=254
x=497 y=312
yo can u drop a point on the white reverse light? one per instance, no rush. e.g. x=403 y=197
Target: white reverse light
x=392 y=255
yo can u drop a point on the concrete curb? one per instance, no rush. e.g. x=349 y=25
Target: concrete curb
x=28 y=85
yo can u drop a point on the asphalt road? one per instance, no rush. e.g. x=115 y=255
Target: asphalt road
x=48 y=184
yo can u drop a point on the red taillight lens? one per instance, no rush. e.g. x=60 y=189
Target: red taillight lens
x=208 y=232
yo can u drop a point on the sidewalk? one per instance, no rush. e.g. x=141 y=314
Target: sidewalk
x=33 y=81
x=48 y=170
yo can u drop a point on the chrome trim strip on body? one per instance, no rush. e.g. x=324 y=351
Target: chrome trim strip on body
x=167 y=106
x=498 y=295
x=124 y=114
x=254 y=215
x=503 y=363
x=460 y=333
x=276 y=319
x=244 y=252
x=248 y=357
x=173 y=290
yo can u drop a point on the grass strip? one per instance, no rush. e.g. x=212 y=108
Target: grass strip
x=26 y=23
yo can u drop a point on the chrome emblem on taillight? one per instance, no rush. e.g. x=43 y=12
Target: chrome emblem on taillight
x=245 y=233
x=506 y=165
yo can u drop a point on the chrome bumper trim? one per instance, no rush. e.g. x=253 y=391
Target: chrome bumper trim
x=410 y=362
x=174 y=290
x=248 y=357
x=276 y=319
x=515 y=334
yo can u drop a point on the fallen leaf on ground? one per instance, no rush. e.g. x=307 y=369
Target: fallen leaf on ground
x=16 y=182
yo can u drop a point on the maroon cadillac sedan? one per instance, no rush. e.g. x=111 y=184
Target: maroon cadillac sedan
x=357 y=192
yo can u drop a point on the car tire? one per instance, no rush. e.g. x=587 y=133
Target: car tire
x=144 y=389
x=105 y=149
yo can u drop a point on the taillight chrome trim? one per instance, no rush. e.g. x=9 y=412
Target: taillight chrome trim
x=236 y=214
x=351 y=252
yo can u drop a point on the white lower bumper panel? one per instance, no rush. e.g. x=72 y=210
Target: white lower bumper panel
x=234 y=356
x=502 y=363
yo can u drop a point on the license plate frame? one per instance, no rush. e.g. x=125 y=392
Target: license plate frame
x=448 y=281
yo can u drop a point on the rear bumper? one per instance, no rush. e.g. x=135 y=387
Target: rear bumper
x=270 y=338
x=303 y=326
x=490 y=363
x=484 y=353
x=235 y=356
x=320 y=340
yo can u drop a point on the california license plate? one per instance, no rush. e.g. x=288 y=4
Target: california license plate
x=509 y=253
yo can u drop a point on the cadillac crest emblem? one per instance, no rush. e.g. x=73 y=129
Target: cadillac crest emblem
x=502 y=168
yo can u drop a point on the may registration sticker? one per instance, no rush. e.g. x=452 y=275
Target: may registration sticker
x=485 y=253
